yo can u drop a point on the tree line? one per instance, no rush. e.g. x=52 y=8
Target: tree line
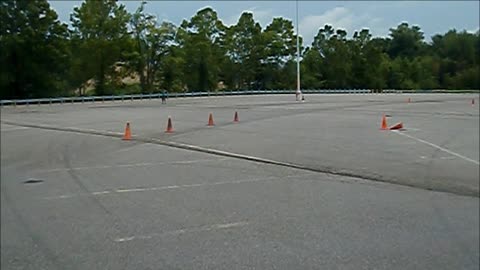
x=107 y=50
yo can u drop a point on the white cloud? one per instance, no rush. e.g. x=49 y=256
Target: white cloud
x=340 y=17
x=473 y=31
x=232 y=20
x=264 y=17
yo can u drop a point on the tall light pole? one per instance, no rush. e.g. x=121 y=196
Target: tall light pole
x=298 y=93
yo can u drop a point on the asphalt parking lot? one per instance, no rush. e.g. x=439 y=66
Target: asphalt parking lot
x=339 y=193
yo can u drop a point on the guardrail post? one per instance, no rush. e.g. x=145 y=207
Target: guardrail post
x=123 y=97
x=14 y=103
x=71 y=99
x=83 y=100
x=131 y=97
x=39 y=102
x=103 y=99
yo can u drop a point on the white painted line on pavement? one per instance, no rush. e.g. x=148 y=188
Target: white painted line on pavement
x=213 y=227
x=438 y=147
x=173 y=187
x=190 y=185
x=101 y=192
x=145 y=164
x=13 y=129
x=65 y=196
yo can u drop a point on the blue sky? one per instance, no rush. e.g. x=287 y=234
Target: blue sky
x=379 y=16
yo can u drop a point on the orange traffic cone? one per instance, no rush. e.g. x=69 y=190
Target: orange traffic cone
x=210 y=120
x=169 y=126
x=397 y=126
x=128 y=135
x=235 y=118
x=384 y=123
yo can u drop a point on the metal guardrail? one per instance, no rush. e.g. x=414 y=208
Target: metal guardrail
x=92 y=99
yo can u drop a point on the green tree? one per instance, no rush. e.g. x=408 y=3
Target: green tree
x=79 y=72
x=171 y=71
x=358 y=52
x=33 y=50
x=101 y=28
x=142 y=27
x=336 y=57
x=376 y=67
x=203 y=42
x=339 y=63
x=151 y=45
x=311 y=70
x=278 y=59
x=406 y=41
x=457 y=55
x=320 y=41
x=244 y=51
x=400 y=74
x=171 y=75
x=41 y=57
x=369 y=62
x=425 y=72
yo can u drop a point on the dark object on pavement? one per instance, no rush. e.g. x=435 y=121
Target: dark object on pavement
x=164 y=97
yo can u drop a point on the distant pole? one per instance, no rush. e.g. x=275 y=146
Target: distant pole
x=298 y=93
